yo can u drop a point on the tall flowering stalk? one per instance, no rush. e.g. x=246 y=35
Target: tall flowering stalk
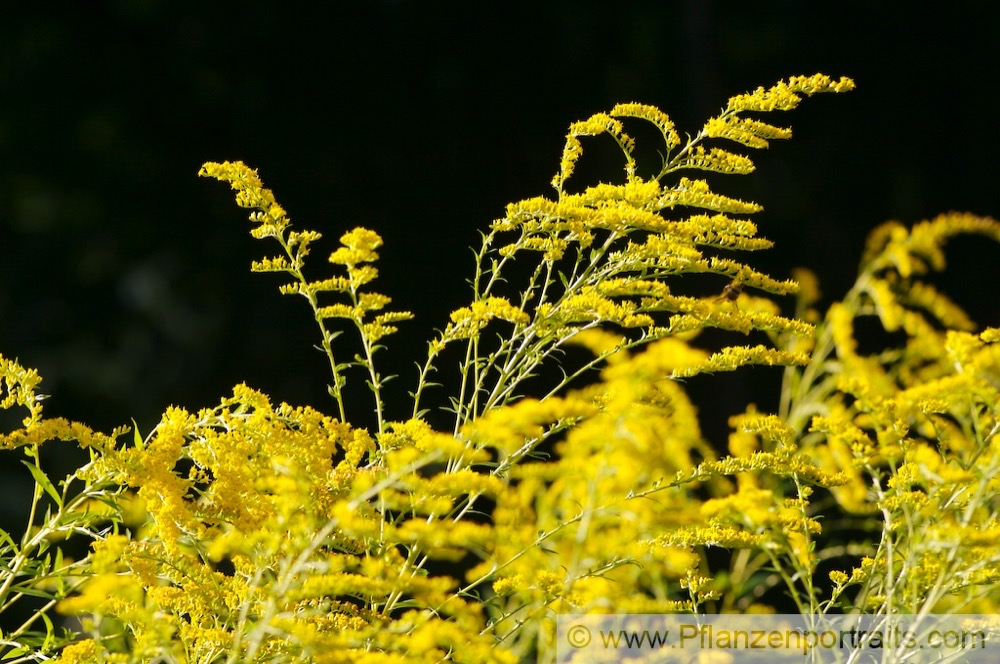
x=82 y=507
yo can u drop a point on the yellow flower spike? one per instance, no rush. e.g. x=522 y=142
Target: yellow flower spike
x=786 y=462
x=727 y=537
x=598 y=123
x=810 y=85
x=19 y=389
x=962 y=347
x=745 y=131
x=885 y=303
x=360 y=246
x=653 y=115
x=82 y=652
x=250 y=193
x=783 y=96
x=838 y=577
x=771 y=427
x=842 y=326
x=750 y=506
x=467 y=322
x=696 y=193
x=928 y=298
x=717 y=161
x=733 y=357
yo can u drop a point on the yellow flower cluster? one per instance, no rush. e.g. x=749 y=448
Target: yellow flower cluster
x=784 y=462
x=259 y=532
x=259 y=486
x=598 y=123
x=914 y=426
x=716 y=160
x=250 y=193
x=734 y=357
x=359 y=249
x=19 y=389
x=654 y=116
x=727 y=537
x=785 y=96
x=603 y=498
x=746 y=131
x=468 y=322
x=568 y=534
x=603 y=257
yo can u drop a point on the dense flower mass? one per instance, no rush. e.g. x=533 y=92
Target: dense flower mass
x=459 y=525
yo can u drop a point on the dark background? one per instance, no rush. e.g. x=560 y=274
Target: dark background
x=125 y=278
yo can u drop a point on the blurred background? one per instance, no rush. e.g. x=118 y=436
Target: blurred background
x=125 y=278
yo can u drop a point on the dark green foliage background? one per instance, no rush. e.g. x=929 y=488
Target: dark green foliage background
x=125 y=277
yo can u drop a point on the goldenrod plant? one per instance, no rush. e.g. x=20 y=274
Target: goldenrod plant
x=550 y=460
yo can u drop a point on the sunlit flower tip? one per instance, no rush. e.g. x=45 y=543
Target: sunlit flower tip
x=275 y=264
x=888 y=309
x=651 y=114
x=236 y=172
x=335 y=284
x=507 y=585
x=991 y=335
x=782 y=96
x=361 y=239
x=733 y=357
x=777 y=98
x=727 y=537
x=928 y=298
x=783 y=463
x=745 y=131
x=373 y=301
x=595 y=124
x=351 y=257
x=696 y=193
x=589 y=306
x=770 y=427
x=339 y=311
x=467 y=321
x=816 y=83
x=303 y=238
x=717 y=160
x=552 y=248
x=905 y=499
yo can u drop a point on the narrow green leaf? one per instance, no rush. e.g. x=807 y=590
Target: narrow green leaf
x=50 y=632
x=33 y=592
x=44 y=482
x=136 y=438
